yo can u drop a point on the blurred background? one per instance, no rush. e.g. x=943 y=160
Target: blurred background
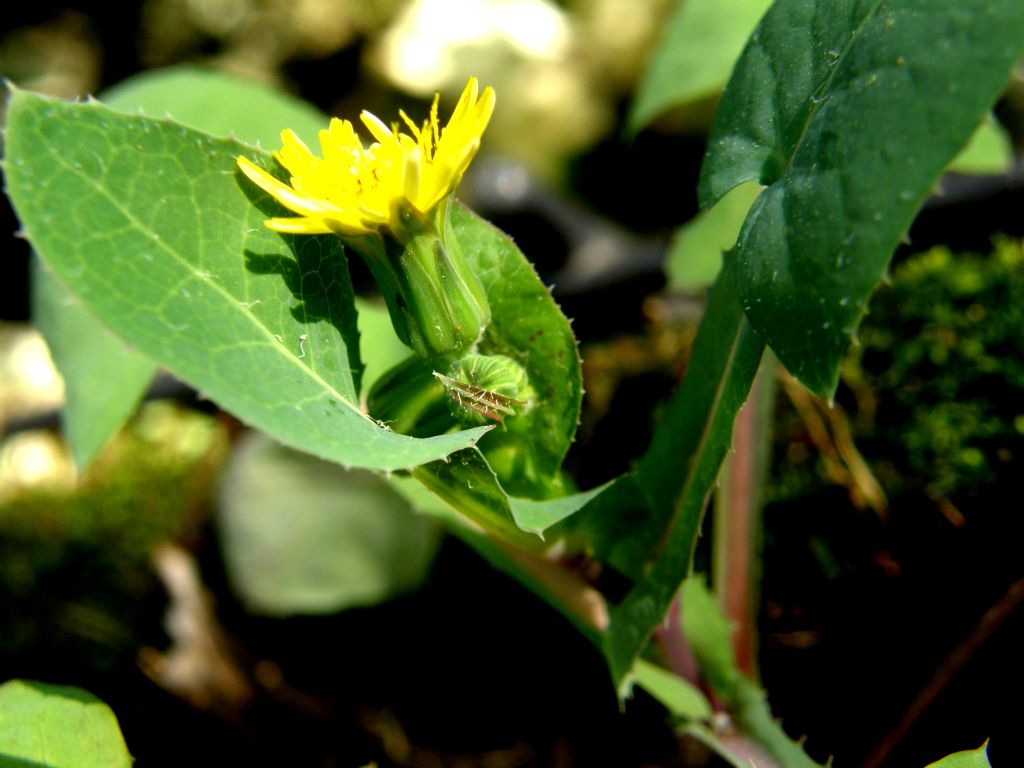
x=888 y=615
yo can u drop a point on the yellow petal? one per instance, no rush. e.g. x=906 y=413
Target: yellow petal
x=352 y=189
x=280 y=191
x=381 y=132
x=411 y=185
x=299 y=226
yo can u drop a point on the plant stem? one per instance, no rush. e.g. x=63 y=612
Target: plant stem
x=736 y=564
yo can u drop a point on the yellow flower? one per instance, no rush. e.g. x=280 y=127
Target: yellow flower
x=354 y=190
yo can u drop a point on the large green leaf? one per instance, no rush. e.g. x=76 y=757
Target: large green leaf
x=218 y=104
x=696 y=431
x=301 y=535
x=646 y=523
x=151 y=226
x=104 y=378
x=678 y=472
x=847 y=110
x=48 y=726
x=695 y=55
x=527 y=326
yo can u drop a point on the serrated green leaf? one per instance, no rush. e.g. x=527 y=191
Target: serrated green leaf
x=695 y=255
x=536 y=516
x=57 y=727
x=527 y=326
x=693 y=59
x=151 y=226
x=465 y=482
x=755 y=720
x=104 y=379
x=974 y=758
x=218 y=104
x=847 y=110
x=646 y=523
x=223 y=105
x=709 y=635
x=300 y=535
x=679 y=469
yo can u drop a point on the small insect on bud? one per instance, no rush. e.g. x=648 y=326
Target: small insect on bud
x=484 y=388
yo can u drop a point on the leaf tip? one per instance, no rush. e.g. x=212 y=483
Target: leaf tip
x=624 y=690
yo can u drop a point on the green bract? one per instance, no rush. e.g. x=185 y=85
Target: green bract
x=436 y=302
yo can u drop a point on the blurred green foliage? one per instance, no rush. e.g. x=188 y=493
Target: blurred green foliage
x=74 y=564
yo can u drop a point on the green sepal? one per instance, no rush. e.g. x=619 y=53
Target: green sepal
x=438 y=307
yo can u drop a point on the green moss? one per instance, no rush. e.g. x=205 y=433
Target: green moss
x=934 y=387
x=949 y=384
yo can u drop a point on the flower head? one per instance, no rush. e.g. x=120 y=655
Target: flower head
x=354 y=190
x=389 y=203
